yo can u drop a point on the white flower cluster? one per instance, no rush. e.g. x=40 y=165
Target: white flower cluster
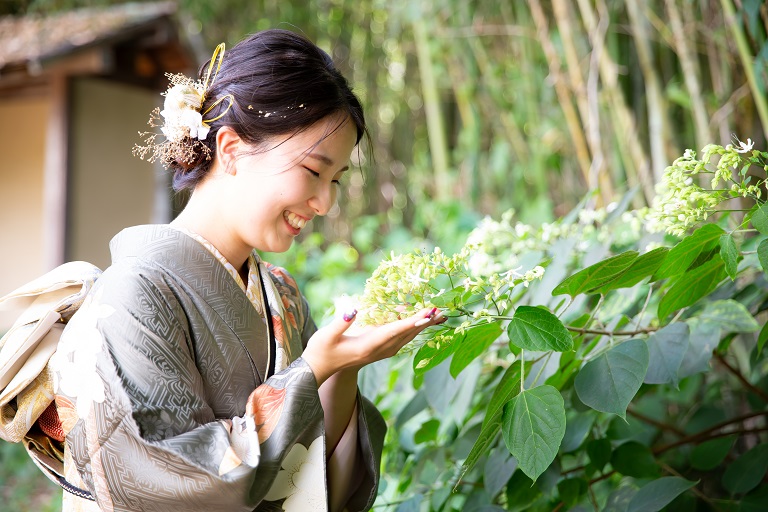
x=682 y=203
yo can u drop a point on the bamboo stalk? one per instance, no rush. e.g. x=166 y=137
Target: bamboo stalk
x=598 y=168
x=746 y=61
x=436 y=129
x=571 y=117
x=657 y=122
x=690 y=74
x=633 y=155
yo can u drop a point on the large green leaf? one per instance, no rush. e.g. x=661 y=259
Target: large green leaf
x=610 y=381
x=680 y=257
x=666 y=348
x=730 y=255
x=645 y=265
x=475 y=343
x=537 y=329
x=595 y=276
x=634 y=459
x=747 y=471
x=762 y=254
x=730 y=316
x=658 y=494
x=533 y=425
x=760 y=219
x=691 y=287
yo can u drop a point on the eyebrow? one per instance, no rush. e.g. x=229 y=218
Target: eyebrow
x=327 y=161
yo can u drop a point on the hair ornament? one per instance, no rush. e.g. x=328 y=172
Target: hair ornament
x=181 y=122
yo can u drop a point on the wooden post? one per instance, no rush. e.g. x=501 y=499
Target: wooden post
x=55 y=175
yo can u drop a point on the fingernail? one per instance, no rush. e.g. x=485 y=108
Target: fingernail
x=350 y=315
x=431 y=313
x=421 y=322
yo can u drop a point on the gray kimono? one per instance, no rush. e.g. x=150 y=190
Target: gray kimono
x=177 y=393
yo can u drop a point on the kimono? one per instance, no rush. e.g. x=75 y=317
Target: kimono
x=179 y=390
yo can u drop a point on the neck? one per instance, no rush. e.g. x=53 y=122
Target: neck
x=202 y=217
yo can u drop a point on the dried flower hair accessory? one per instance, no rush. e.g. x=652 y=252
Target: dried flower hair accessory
x=182 y=123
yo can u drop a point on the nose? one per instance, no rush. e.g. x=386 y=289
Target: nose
x=323 y=199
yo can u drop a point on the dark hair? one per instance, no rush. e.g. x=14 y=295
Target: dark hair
x=281 y=83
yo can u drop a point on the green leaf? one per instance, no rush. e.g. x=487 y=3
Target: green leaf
x=533 y=425
x=506 y=390
x=730 y=316
x=599 y=451
x=762 y=254
x=618 y=500
x=760 y=219
x=447 y=298
x=432 y=355
x=659 y=493
x=610 y=381
x=521 y=491
x=476 y=342
x=692 y=286
x=702 y=341
x=730 y=255
x=645 y=265
x=710 y=454
x=596 y=275
x=746 y=472
x=508 y=387
x=571 y=490
x=680 y=257
x=666 y=348
x=634 y=459
x=762 y=338
x=535 y=328
x=427 y=432
x=499 y=467
x=483 y=444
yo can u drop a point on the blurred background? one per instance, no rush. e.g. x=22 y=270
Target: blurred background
x=475 y=107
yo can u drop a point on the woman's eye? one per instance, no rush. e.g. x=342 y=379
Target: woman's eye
x=313 y=173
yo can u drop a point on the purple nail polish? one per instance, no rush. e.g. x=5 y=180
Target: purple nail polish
x=350 y=315
x=431 y=313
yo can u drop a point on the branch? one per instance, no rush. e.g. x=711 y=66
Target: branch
x=759 y=392
x=704 y=435
x=581 y=330
x=657 y=424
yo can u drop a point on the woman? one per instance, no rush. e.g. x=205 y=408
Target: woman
x=194 y=377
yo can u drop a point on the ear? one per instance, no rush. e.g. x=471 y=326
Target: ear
x=228 y=145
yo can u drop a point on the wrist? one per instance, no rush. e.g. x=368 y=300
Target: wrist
x=318 y=369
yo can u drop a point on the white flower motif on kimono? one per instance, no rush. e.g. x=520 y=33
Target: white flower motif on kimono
x=74 y=362
x=301 y=481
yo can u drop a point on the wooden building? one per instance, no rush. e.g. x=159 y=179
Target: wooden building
x=75 y=90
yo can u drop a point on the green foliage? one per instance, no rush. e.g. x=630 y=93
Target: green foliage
x=601 y=400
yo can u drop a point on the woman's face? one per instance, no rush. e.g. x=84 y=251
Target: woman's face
x=277 y=192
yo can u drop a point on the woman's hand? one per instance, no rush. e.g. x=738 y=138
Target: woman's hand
x=331 y=349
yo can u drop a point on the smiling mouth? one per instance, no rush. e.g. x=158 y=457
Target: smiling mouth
x=294 y=220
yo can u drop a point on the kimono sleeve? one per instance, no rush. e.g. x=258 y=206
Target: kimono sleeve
x=371 y=430
x=142 y=426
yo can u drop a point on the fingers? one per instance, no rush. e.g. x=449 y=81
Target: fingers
x=342 y=322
